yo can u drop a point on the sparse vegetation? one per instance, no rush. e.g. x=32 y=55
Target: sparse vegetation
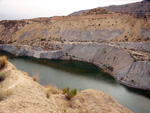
x=43 y=39
x=9 y=42
x=133 y=57
x=104 y=51
x=1 y=95
x=69 y=94
x=65 y=90
x=3 y=61
x=133 y=81
x=5 y=94
x=109 y=67
x=35 y=78
x=67 y=54
x=51 y=90
x=3 y=76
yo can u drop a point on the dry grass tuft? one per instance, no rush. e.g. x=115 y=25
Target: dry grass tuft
x=3 y=61
x=1 y=95
x=3 y=76
x=35 y=78
x=51 y=90
x=5 y=94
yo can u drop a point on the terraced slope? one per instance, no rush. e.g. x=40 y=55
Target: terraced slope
x=119 y=43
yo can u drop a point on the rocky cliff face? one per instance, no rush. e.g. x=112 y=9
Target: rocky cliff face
x=118 y=43
x=27 y=96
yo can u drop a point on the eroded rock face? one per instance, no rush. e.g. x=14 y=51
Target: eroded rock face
x=139 y=46
x=119 y=63
x=51 y=54
x=145 y=33
x=30 y=52
x=137 y=74
x=101 y=54
x=8 y=48
x=89 y=35
x=125 y=69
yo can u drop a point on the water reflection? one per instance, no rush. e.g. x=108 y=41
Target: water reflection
x=77 y=68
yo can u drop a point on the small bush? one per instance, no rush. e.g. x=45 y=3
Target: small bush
x=3 y=61
x=110 y=68
x=133 y=81
x=43 y=39
x=3 y=76
x=64 y=90
x=69 y=94
x=67 y=54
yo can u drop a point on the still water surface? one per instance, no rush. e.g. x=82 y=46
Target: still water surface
x=83 y=76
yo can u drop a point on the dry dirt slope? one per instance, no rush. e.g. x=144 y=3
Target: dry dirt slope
x=28 y=96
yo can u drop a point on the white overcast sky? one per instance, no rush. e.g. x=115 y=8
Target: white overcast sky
x=19 y=9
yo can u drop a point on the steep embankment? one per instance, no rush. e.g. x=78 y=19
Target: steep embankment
x=22 y=94
x=118 y=43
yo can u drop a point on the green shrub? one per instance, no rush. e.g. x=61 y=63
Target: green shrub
x=69 y=94
x=3 y=61
x=64 y=90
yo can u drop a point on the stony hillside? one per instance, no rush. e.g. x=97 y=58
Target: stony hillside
x=96 y=11
x=20 y=94
x=137 y=9
x=116 y=42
